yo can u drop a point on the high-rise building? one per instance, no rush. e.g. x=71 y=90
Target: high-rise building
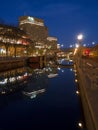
x=34 y=27
x=38 y=33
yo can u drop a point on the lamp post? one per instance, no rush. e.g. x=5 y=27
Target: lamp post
x=79 y=61
x=79 y=38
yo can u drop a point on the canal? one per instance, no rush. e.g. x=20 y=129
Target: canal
x=34 y=98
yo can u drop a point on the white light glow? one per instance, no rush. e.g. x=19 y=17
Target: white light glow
x=84 y=45
x=70 y=46
x=93 y=43
x=62 y=45
x=77 y=92
x=77 y=45
x=80 y=37
x=80 y=125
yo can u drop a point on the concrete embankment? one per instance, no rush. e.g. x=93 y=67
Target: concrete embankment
x=11 y=64
x=88 y=83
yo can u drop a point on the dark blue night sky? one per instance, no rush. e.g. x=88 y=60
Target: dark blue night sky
x=65 y=19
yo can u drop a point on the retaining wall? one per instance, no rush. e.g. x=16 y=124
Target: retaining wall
x=88 y=83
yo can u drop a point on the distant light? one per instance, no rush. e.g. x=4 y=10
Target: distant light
x=3 y=92
x=62 y=71
x=77 y=92
x=62 y=45
x=71 y=69
x=93 y=43
x=84 y=45
x=80 y=125
x=59 y=68
x=75 y=70
x=77 y=45
x=70 y=46
x=80 y=37
x=75 y=74
x=2 y=50
x=76 y=80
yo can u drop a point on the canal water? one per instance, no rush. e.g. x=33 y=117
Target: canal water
x=34 y=98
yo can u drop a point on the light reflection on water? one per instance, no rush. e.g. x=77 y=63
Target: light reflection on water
x=39 y=98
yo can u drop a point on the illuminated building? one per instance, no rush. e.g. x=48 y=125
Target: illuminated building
x=38 y=32
x=34 y=27
x=94 y=51
x=13 y=41
x=52 y=42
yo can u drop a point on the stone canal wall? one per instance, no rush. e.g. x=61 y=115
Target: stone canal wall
x=88 y=83
x=39 y=61
x=11 y=64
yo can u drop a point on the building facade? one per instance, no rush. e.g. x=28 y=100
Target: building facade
x=34 y=27
x=38 y=33
x=13 y=41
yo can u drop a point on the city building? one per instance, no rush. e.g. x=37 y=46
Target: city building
x=38 y=32
x=52 y=46
x=13 y=41
x=35 y=28
x=94 y=51
x=52 y=43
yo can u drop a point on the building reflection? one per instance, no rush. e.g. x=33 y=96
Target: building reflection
x=51 y=69
x=33 y=94
x=32 y=80
x=37 y=84
x=12 y=80
x=39 y=80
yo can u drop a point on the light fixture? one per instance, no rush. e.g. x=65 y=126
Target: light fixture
x=80 y=37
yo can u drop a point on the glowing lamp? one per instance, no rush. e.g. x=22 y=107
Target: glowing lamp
x=80 y=37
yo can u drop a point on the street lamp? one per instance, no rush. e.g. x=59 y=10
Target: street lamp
x=79 y=37
x=77 y=46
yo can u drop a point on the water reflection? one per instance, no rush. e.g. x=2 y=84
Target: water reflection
x=31 y=99
x=27 y=78
x=12 y=80
x=37 y=84
x=33 y=94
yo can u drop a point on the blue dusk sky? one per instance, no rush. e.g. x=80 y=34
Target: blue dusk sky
x=65 y=19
